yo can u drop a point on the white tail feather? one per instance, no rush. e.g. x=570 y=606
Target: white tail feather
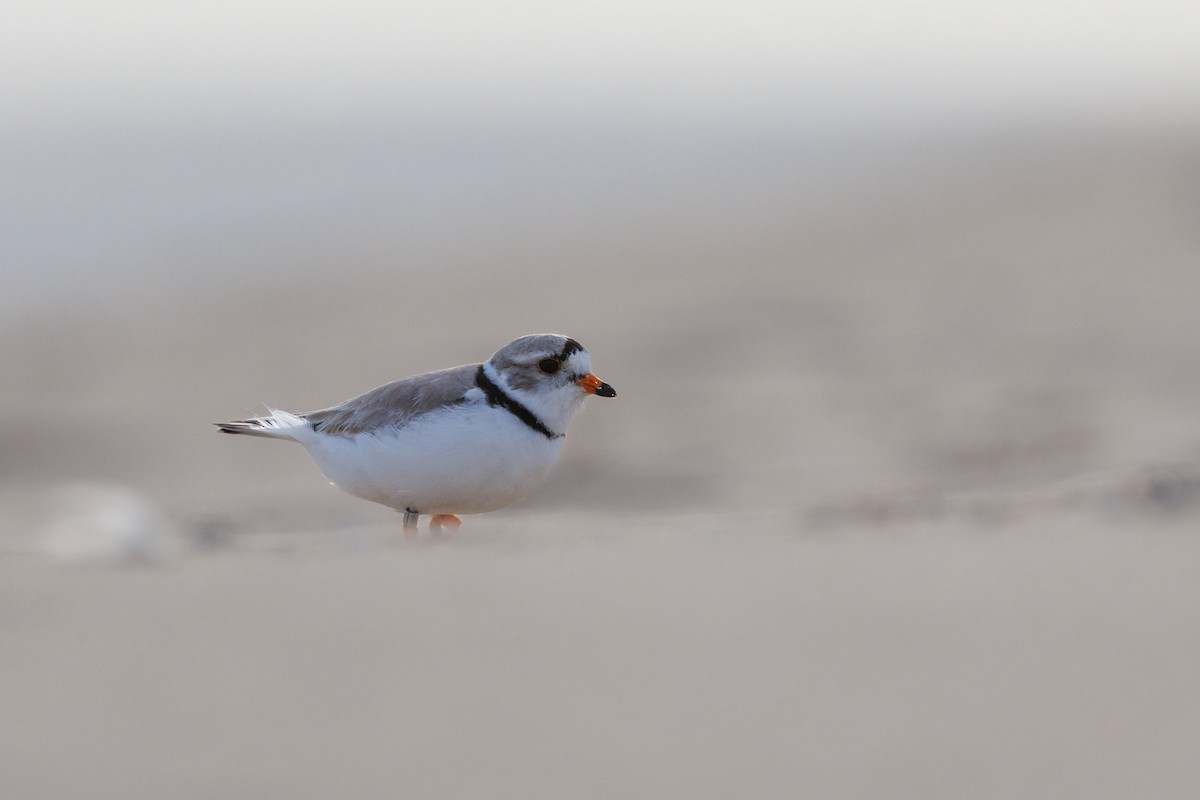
x=277 y=424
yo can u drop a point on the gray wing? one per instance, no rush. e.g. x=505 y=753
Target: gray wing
x=395 y=404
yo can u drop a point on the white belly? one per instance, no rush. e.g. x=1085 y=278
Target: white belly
x=464 y=460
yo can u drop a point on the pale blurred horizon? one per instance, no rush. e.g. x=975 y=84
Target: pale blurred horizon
x=478 y=61
x=135 y=131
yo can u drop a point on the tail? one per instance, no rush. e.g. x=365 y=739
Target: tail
x=275 y=425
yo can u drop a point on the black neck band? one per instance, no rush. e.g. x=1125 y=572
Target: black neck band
x=496 y=397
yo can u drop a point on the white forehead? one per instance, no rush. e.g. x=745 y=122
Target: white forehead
x=579 y=361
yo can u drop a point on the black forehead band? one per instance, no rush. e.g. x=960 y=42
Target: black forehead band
x=570 y=347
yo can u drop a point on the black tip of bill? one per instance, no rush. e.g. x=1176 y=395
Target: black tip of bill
x=605 y=390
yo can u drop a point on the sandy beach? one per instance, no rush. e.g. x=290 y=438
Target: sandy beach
x=898 y=499
x=562 y=656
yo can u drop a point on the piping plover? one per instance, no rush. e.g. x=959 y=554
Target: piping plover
x=463 y=440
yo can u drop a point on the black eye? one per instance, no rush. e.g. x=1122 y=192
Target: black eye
x=549 y=365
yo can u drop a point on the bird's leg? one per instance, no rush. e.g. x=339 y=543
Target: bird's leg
x=410 y=523
x=449 y=520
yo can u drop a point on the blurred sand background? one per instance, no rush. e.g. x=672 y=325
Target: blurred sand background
x=899 y=497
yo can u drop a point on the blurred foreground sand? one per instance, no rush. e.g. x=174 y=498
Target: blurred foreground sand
x=820 y=545
x=563 y=655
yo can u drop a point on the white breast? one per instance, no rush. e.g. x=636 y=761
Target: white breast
x=465 y=459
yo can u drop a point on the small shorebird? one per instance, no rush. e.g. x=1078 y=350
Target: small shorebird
x=463 y=440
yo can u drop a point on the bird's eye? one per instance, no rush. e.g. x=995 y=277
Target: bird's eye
x=549 y=365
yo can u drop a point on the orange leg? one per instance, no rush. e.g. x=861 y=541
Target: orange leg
x=438 y=520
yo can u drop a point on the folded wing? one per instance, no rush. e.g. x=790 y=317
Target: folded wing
x=395 y=404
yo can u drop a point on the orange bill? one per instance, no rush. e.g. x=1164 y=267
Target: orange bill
x=593 y=385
